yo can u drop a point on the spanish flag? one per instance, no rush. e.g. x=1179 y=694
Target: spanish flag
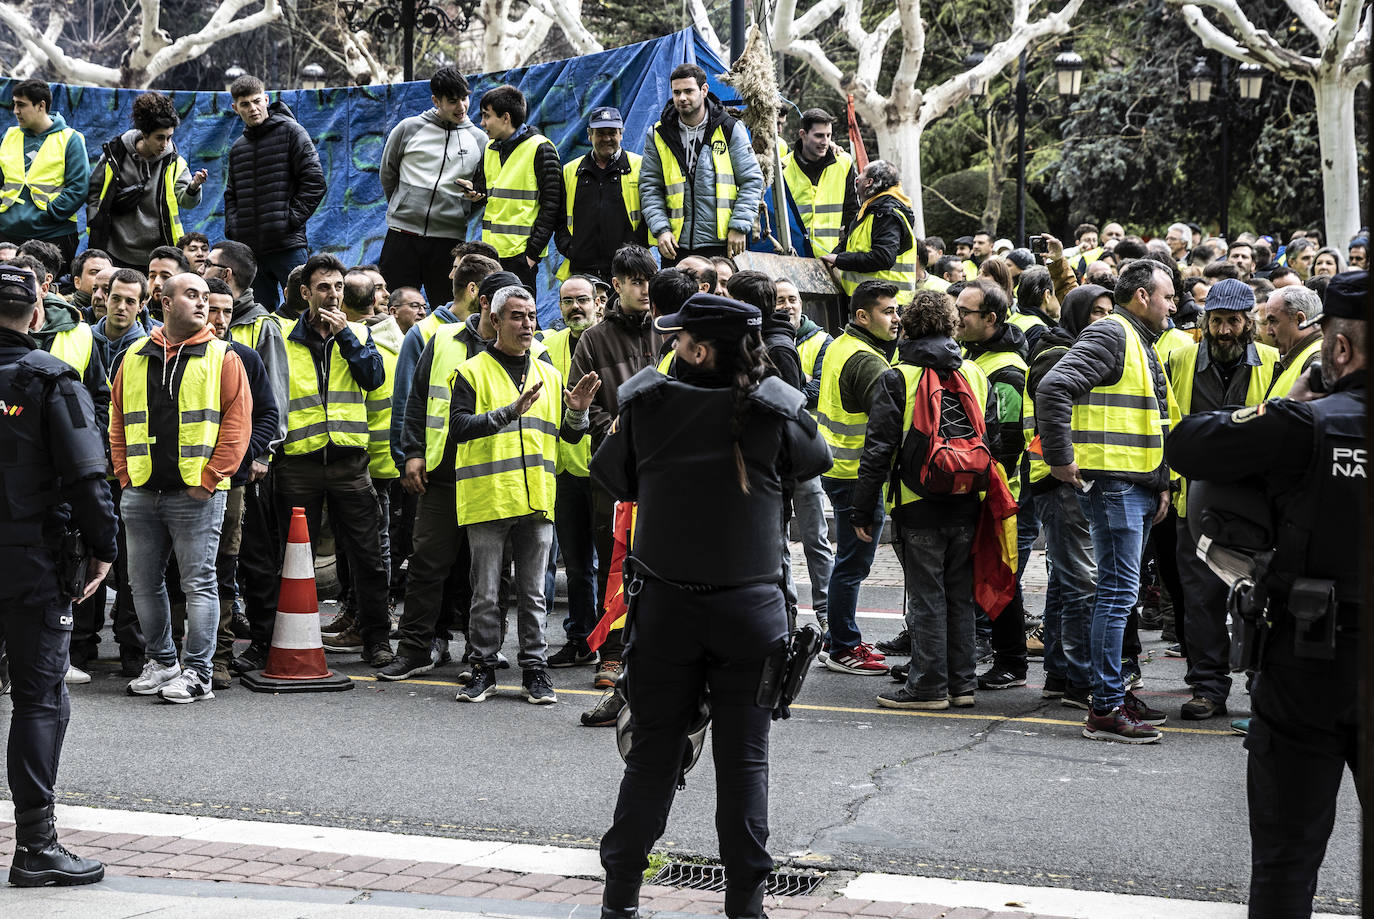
x=994 y=547
x=615 y=602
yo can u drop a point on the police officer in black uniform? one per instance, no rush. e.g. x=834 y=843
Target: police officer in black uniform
x=52 y=489
x=705 y=454
x=1307 y=459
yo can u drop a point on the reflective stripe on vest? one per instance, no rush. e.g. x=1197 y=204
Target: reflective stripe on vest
x=842 y=430
x=911 y=374
x=1283 y=383
x=510 y=473
x=198 y=408
x=574 y=459
x=449 y=352
x=675 y=183
x=512 y=196
x=170 y=210
x=903 y=271
x=44 y=177
x=822 y=204
x=380 y=463
x=73 y=347
x=1038 y=468
x=313 y=419
x=1182 y=374
x=992 y=361
x=1119 y=428
x=665 y=363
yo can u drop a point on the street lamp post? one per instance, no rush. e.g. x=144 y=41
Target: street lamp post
x=1201 y=83
x=231 y=75
x=312 y=77
x=1068 y=69
x=408 y=17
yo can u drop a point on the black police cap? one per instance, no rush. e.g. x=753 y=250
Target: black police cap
x=710 y=317
x=18 y=285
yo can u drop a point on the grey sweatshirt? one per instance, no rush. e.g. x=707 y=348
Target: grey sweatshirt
x=423 y=156
x=139 y=231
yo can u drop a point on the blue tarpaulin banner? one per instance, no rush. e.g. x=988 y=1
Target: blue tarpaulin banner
x=350 y=124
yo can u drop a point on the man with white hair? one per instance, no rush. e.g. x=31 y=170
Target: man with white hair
x=1179 y=238
x=1287 y=318
x=509 y=423
x=880 y=244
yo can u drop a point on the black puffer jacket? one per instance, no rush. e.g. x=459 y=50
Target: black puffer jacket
x=275 y=183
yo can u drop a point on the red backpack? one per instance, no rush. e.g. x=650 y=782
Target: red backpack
x=944 y=453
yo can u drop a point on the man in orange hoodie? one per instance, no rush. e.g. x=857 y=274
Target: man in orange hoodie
x=180 y=421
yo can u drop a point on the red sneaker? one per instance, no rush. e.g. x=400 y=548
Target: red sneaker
x=860 y=660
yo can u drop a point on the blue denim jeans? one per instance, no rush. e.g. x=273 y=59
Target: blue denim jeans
x=1069 y=594
x=1119 y=515
x=853 y=561
x=939 y=610
x=273 y=269
x=158 y=524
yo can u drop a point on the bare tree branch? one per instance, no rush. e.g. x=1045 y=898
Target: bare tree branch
x=30 y=61
x=64 y=67
x=702 y=22
x=1262 y=47
x=568 y=15
x=1313 y=18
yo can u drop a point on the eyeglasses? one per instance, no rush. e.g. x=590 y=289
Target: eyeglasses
x=210 y=264
x=574 y=301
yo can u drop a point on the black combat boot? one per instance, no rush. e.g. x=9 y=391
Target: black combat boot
x=40 y=860
x=617 y=893
x=619 y=912
x=745 y=904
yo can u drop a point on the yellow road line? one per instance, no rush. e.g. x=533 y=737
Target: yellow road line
x=957 y=716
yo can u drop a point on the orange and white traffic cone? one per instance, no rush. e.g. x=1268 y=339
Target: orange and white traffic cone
x=296 y=660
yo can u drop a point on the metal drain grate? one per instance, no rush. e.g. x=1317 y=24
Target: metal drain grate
x=781 y=883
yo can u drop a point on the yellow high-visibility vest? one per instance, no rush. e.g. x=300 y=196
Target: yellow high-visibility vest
x=44 y=177
x=510 y=473
x=380 y=463
x=198 y=409
x=73 y=346
x=822 y=204
x=1119 y=428
x=512 y=196
x=1024 y=321
x=809 y=350
x=675 y=183
x=1170 y=340
x=574 y=459
x=843 y=430
x=1283 y=383
x=977 y=381
x=903 y=271
x=337 y=416
x=1182 y=373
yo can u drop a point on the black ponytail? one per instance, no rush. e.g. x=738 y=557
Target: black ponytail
x=749 y=366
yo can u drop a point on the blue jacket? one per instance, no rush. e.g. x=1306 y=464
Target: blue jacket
x=411 y=349
x=112 y=352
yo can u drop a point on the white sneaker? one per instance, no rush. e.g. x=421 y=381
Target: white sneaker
x=186 y=687
x=153 y=678
x=75 y=675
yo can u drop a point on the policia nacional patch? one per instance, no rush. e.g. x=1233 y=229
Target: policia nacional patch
x=1249 y=413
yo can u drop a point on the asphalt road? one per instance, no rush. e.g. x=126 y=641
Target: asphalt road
x=1007 y=791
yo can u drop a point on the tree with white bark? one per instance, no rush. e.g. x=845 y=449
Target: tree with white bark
x=151 y=52
x=901 y=115
x=1339 y=66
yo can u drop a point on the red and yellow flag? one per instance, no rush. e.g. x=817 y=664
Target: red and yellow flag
x=994 y=547
x=615 y=602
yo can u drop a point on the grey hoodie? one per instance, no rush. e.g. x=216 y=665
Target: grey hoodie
x=137 y=232
x=271 y=347
x=423 y=156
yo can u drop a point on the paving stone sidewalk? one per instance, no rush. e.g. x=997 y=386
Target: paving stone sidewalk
x=174 y=857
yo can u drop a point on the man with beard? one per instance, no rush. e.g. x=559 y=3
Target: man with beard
x=573 y=505
x=1228 y=368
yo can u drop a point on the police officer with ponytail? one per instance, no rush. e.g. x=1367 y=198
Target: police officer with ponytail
x=1297 y=469
x=54 y=511
x=705 y=453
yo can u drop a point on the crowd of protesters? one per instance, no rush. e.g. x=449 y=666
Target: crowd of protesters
x=419 y=413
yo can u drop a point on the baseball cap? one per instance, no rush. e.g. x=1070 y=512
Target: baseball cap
x=606 y=118
x=711 y=317
x=1347 y=297
x=18 y=285
x=1230 y=294
x=497 y=280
